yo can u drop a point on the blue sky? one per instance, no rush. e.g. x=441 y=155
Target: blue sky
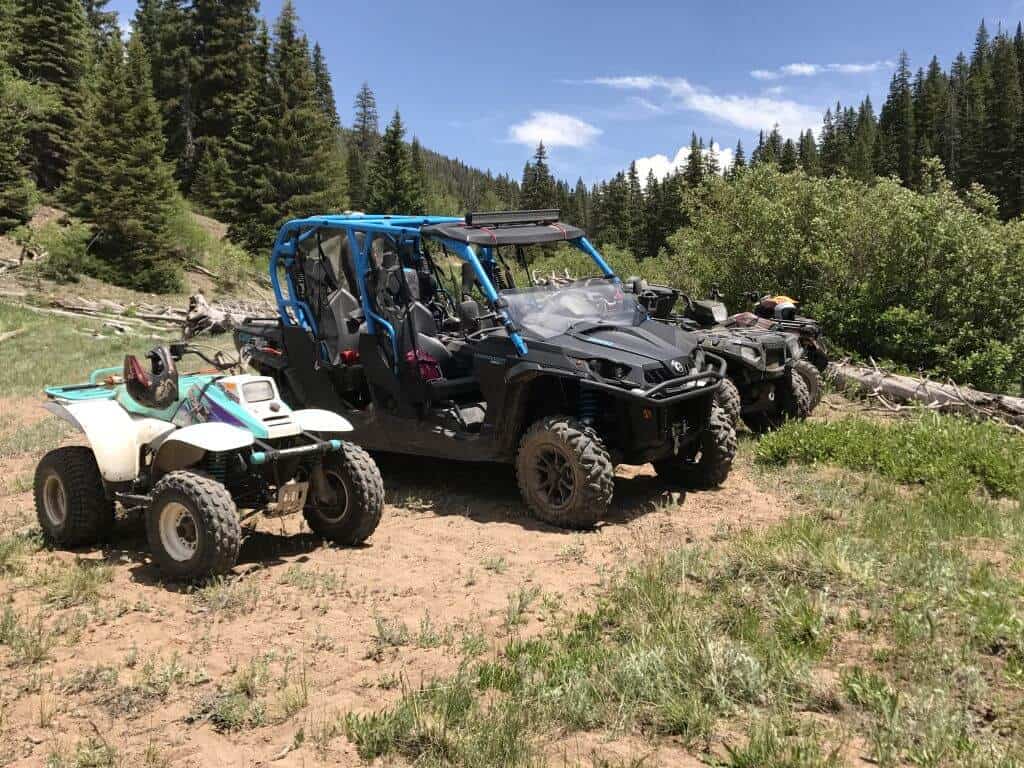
x=606 y=83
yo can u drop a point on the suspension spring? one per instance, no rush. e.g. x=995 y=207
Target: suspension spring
x=589 y=406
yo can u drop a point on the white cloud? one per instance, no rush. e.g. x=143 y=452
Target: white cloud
x=554 y=129
x=748 y=112
x=803 y=69
x=775 y=90
x=662 y=165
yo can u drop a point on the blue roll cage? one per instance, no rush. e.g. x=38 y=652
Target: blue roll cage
x=403 y=230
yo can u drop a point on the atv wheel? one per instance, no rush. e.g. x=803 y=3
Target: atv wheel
x=192 y=527
x=792 y=403
x=728 y=399
x=712 y=461
x=812 y=378
x=71 y=503
x=356 y=500
x=564 y=472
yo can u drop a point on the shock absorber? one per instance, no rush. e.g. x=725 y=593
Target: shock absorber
x=588 y=407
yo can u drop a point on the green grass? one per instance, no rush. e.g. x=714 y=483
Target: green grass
x=57 y=350
x=78 y=583
x=15 y=552
x=881 y=583
x=36 y=438
x=925 y=448
x=228 y=598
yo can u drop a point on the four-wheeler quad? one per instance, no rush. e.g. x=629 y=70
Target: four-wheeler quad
x=779 y=313
x=768 y=381
x=190 y=451
x=414 y=329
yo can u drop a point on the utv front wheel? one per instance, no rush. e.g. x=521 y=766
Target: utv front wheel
x=710 y=464
x=192 y=527
x=728 y=399
x=351 y=500
x=565 y=474
x=71 y=503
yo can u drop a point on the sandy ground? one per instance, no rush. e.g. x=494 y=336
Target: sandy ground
x=453 y=545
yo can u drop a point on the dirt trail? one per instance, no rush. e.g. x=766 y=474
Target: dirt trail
x=453 y=545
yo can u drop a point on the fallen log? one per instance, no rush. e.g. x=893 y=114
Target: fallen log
x=894 y=391
x=11 y=334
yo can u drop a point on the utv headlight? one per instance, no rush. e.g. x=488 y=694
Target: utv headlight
x=753 y=354
x=606 y=369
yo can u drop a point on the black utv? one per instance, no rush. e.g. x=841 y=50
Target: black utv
x=768 y=383
x=415 y=330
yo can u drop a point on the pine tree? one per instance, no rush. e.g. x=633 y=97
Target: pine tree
x=324 y=89
x=249 y=152
x=808 y=154
x=356 y=172
x=538 y=191
x=390 y=176
x=123 y=185
x=54 y=45
x=634 y=222
x=712 y=167
x=166 y=29
x=212 y=185
x=16 y=190
x=861 y=157
x=1004 y=127
x=694 y=173
x=417 y=179
x=224 y=40
x=790 y=159
x=739 y=159
x=102 y=22
x=306 y=167
x=896 y=131
x=975 y=163
x=366 y=126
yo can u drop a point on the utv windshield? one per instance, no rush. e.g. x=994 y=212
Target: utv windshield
x=546 y=311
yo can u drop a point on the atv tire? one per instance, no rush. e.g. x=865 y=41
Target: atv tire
x=192 y=526
x=71 y=503
x=710 y=466
x=355 y=479
x=565 y=474
x=728 y=399
x=812 y=378
x=792 y=403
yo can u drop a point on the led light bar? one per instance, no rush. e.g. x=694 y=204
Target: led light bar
x=509 y=218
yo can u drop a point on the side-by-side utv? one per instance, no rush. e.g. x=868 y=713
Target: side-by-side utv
x=414 y=329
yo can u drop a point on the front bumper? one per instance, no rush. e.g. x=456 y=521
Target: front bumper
x=672 y=391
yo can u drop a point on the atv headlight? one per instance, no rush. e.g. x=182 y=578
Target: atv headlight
x=753 y=354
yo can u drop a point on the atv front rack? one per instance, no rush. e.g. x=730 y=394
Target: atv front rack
x=670 y=391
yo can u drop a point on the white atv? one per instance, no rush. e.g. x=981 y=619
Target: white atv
x=190 y=451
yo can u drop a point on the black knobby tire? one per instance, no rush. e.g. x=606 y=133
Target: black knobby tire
x=565 y=474
x=355 y=473
x=792 y=403
x=728 y=399
x=710 y=467
x=207 y=519
x=812 y=378
x=71 y=503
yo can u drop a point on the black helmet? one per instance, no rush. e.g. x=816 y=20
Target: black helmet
x=157 y=388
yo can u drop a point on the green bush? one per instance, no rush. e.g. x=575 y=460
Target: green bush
x=930 y=281
x=67 y=249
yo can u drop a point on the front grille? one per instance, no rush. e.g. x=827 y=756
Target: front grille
x=277 y=419
x=657 y=375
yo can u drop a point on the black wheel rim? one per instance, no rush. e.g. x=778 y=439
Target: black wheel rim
x=555 y=477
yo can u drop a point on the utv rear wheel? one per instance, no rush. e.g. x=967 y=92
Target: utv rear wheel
x=71 y=503
x=812 y=378
x=728 y=399
x=711 y=462
x=192 y=526
x=354 y=498
x=792 y=403
x=565 y=474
